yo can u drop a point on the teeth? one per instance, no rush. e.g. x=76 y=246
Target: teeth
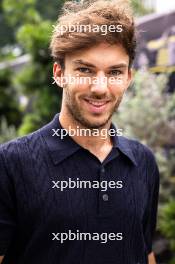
x=96 y=103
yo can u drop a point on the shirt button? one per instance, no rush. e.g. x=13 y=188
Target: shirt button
x=105 y=197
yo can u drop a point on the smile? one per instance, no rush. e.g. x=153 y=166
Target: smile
x=96 y=106
x=96 y=102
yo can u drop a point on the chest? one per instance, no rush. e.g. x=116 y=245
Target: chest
x=82 y=196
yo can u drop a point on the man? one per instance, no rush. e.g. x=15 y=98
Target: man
x=84 y=197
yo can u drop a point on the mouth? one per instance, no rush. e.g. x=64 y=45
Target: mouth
x=96 y=106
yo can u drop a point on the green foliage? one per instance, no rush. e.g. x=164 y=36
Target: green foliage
x=30 y=122
x=6 y=32
x=139 y=8
x=167 y=224
x=34 y=38
x=35 y=80
x=147 y=113
x=20 y=11
x=9 y=103
x=152 y=116
x=15 y=13
x=6 y=132
x=50 y=11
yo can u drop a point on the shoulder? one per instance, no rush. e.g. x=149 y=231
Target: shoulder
x=146 y=161
x=141 y=151
x=143 y=154
x=20 y=148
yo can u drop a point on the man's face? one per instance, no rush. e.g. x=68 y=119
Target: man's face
x=102 y=76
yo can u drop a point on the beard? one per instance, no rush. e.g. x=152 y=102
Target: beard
x=78 y=114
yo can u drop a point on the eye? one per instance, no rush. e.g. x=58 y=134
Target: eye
x=84 y=70
x=115 y=72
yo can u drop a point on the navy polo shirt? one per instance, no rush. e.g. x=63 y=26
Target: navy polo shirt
x=35 y=212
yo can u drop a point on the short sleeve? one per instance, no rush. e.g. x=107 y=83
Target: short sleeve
x=7 y=207
x=151 y=215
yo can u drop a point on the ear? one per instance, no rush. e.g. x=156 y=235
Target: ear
x=57 y=74
x=129 y=78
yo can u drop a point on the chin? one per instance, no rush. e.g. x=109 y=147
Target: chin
x=96 y=122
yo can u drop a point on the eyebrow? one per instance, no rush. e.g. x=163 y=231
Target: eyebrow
x=85 y=63
x=120 y=65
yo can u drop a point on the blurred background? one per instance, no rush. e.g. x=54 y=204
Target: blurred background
x=28 y=99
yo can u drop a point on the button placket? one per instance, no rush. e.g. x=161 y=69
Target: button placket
x=104 y=198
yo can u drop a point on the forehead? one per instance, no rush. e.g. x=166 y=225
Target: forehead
x=101 y=54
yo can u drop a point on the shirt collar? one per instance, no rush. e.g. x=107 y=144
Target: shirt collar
x=60 y=149
x=123 y=144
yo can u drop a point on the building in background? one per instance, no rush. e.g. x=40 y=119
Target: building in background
x=156 y=45
x=163 y=6
x=159 y=6
x=151 y=4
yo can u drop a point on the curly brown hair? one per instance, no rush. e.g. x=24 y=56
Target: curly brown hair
x=99 y=13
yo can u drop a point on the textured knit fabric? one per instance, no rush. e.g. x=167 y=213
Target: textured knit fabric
x=32 y=209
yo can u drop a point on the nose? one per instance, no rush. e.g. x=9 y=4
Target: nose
x=99 y=83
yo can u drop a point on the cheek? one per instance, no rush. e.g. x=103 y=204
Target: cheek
x=118 y=86
x=117 y=90
x=77 y=90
